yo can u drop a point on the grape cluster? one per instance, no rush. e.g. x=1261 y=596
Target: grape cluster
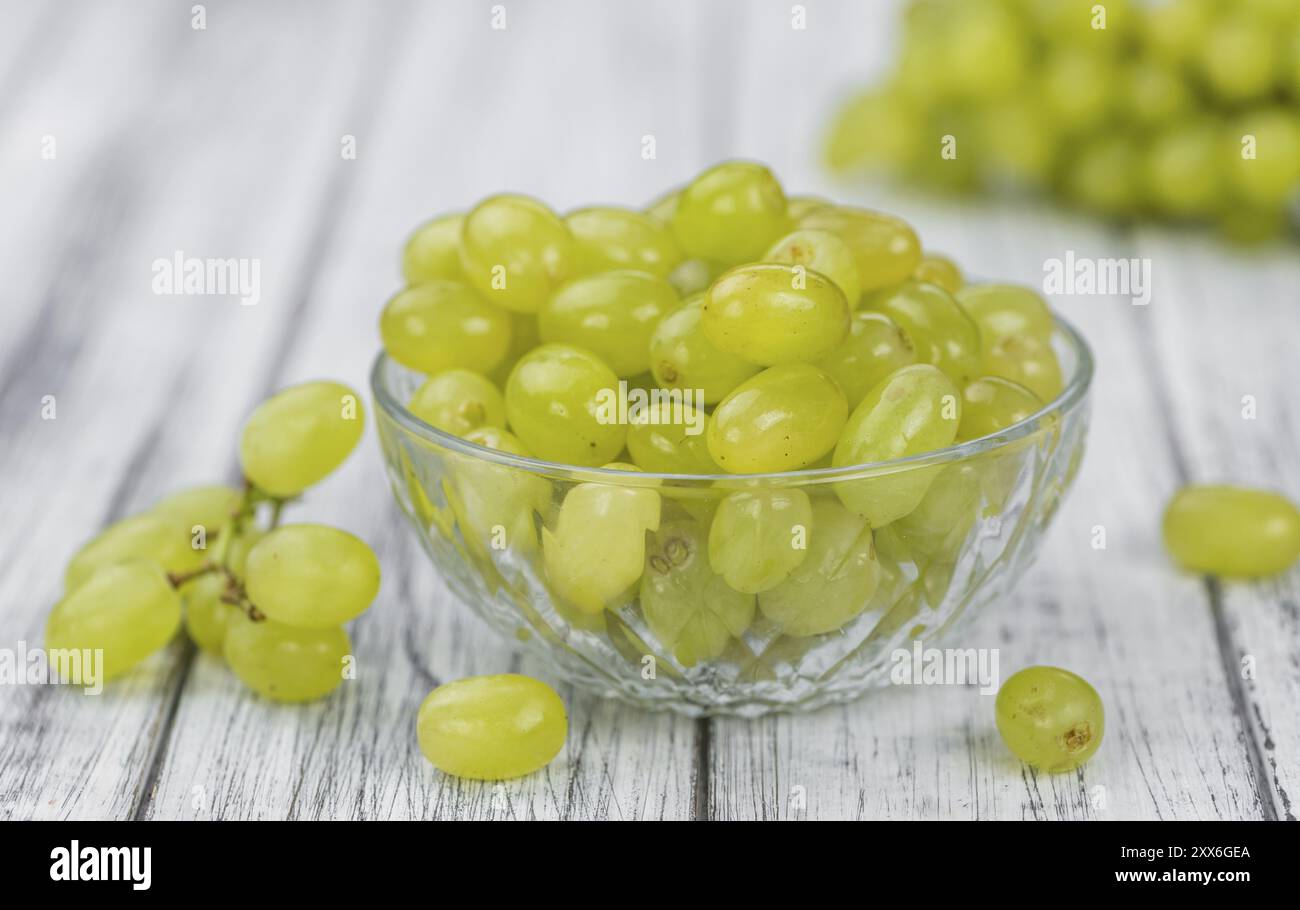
x=1186 y=110
x=770 y=334
x=269 y=598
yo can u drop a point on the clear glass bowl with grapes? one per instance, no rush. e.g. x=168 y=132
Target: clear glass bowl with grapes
x=726 y=455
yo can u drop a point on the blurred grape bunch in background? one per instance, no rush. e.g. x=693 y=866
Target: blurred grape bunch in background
x=1184 y=110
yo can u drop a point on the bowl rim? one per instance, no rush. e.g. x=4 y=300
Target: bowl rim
x=1068 y=400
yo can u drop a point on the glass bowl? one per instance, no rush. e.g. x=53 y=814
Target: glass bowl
x=974 y=533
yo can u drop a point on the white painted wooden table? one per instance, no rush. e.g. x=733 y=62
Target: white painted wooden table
x=226 y=142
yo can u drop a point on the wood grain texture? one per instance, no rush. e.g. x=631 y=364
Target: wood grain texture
x=226 y=143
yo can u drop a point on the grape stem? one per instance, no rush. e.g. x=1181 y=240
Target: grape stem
x=179 y=578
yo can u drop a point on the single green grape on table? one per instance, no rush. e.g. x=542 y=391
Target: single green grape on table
x=1232 y=531
x=1050 y=718
x=491 y=727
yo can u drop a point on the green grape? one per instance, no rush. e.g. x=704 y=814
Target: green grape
x=209 y=507
x=496 y=438
x=1239 y=58
x=1271 y=178
x=491 y=727
x=524 y=336
x=1155 y=93
x=1079 y=88
x=990 y=404
x=1026 y=360
x=662 y=209
x=821 y=252
x=693 y=276
x=783 y=419
x=1007 y=309
x=770 y=314
x=287 y=663
x=940 y=270
x=207 y=616
x=443 y=324
x=597 y=551
x=875 y=128
x=834 y=582
x=758 y=537
x=1232 y=531
x=1018 y=140
x=311 y=576
x=611 y=314
x=495 y=503
x=682 y=357
x=730 y=213
x=127 y=609
x=1183 y=169
x=1103 y=175
x=1176 y=32
x=941 y=331
x=798 y=206
x=555 y=405
x=874 y=348
x=299 y=436
x=668 y=438
x=1050 y=718
x=885 y=249
x=515 y=251
x=161 y=539
x=614 y=238
x=987 y=53
x=690 y=609
x=457 y=401
x=944 y=516
x=913 y=410
x=433 y=251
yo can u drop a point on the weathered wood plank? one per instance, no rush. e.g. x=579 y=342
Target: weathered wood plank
x=1223 y=341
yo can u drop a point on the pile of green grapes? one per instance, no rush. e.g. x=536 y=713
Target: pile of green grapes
x=794 y=333
x=271 y=598
x=1186 y=110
